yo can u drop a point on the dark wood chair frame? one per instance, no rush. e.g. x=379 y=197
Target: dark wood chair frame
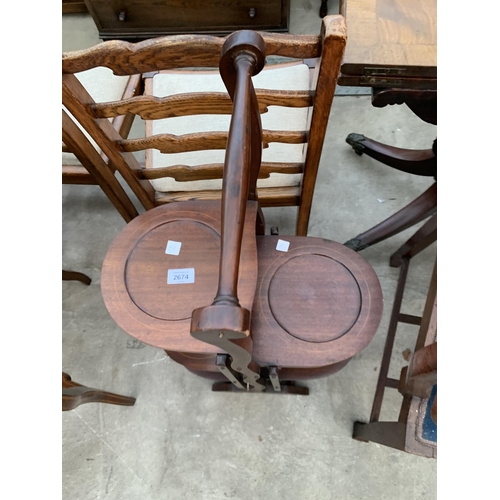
x=416 y=162
x=418 y=378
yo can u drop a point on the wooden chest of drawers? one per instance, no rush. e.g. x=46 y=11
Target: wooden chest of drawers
x=135 y=20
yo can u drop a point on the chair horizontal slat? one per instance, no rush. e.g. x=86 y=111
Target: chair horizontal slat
x=168 y=143
x=268 y=197
x=74 y=174
x=154 y=108
x=215 y=171
x=178 y=51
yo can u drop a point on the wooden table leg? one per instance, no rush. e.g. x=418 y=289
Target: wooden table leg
x=75 y=276
x=419 y=209
x=414 y=161
x=323 y=9
x=424 y=237
x=74 y=395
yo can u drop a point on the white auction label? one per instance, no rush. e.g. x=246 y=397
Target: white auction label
x=283 y=245
x=173 y=247
x=179 y=276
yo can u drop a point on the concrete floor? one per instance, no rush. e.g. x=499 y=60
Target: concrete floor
x=180 y=440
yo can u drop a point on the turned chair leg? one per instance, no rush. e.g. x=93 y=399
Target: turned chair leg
x=74 y=276
x=414 y=161
x=74 y=395
x=418 y=210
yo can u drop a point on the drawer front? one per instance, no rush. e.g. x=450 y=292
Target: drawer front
x=192 y=15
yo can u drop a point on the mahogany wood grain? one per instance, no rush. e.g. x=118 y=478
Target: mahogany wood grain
x=421 y=162
x=73 y=395
x=303 y=313
x=414 y=383
x=420 y=376
x=134 y=273
x=316 y=304
x=419 y=209
x=425 y=236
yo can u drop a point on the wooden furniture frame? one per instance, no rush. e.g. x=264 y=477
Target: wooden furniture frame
x=392 y=49
x=202 y=50
x=417 y=380
x=136 y=20
x=73 y=395
x=230 y=304
x=95 y=168
x=74 y=7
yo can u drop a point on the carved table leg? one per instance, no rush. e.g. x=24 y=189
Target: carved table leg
x=424 y=237
x=74 y=395
x=74 y=276
x=419 y=209
x=414 y=161
x=323 y=9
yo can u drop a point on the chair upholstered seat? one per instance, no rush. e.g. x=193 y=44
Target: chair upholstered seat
x=103 y=86
x=283 y=77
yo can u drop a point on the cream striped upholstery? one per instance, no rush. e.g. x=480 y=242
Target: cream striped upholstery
x=287 y=77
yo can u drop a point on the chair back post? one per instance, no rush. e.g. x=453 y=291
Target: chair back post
x=334 y=37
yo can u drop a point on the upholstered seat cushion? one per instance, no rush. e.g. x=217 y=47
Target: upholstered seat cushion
x=281 y=77
x=103 y=86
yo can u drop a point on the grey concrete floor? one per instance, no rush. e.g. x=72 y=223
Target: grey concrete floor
x=180 y=440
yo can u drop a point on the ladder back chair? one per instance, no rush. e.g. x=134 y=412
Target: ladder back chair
x=82 y=161
x=185 y=151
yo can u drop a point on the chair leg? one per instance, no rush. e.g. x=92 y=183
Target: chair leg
x=424 y=237
x=392 y=434
x=415 y=212
x=74 y=395
x=74 y=276
x=323 y=9
x=413 y=161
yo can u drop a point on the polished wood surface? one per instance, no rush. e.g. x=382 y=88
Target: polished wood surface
x=191 y=51
x=252 y=312
x=74 y=7
x=416 y=381
x=392 y=43
x=74 y=395
x=316 y=305
x=136 y=20
x=134 y=273
x=392 y=48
